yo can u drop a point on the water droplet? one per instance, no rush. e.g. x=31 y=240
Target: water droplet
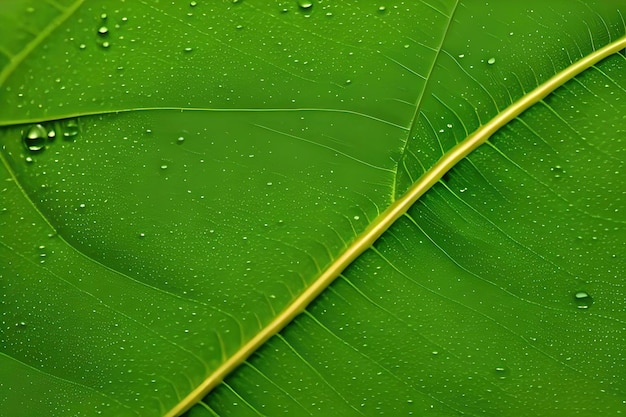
x=557 y=171
x=193 y=4
x=82 y=46
x=105 y=44
x=305 y=4
x=382 y=9
x=188 y=49
x=71 y=129
x=180 y=140
x=491 y=61
x=502 y=372
x=583 y=300
x=35 y=138
x=163 y=166
x=103 y=30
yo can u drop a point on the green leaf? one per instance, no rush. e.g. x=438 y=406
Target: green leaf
x=181 y=178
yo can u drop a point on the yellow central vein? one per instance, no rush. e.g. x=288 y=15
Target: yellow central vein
x=391 y=214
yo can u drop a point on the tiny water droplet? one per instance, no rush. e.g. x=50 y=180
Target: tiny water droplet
x=180 y=140
x=163 y=166
x=82 y=46
x=583 y=299
x=105 y=44
x=103 y=30
x=491 y=61
x=382 y=9
x=35 y=138
x=193 y=4
x=188 y=49
x=305 y=4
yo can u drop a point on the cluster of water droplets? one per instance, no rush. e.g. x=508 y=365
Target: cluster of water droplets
x=40 y=136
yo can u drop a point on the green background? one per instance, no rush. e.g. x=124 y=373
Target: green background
x=203 y=162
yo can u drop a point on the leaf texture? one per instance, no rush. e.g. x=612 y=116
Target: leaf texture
x=202 y=163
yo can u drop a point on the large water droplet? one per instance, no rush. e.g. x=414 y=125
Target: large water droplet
x=35 y=138
x=305 y=4
x=583 y=299
x=491 y=61
x=70 y=129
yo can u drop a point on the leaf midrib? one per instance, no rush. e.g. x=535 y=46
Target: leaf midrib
x=396 y=210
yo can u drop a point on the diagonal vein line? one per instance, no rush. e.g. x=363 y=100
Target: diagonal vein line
x=43 y=34
x=391 y=214
x=418 y=102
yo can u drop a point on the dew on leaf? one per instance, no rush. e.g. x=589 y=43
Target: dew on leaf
x=557 y=171
x=305 y=4
x=103 y=30
x=180 y=140
x=491 y=61
x=35 y=138
x=583 y=300
x=382 y=9
x=502 y=372
x=70 y=129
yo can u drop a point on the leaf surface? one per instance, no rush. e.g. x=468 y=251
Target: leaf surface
x=203 y=163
